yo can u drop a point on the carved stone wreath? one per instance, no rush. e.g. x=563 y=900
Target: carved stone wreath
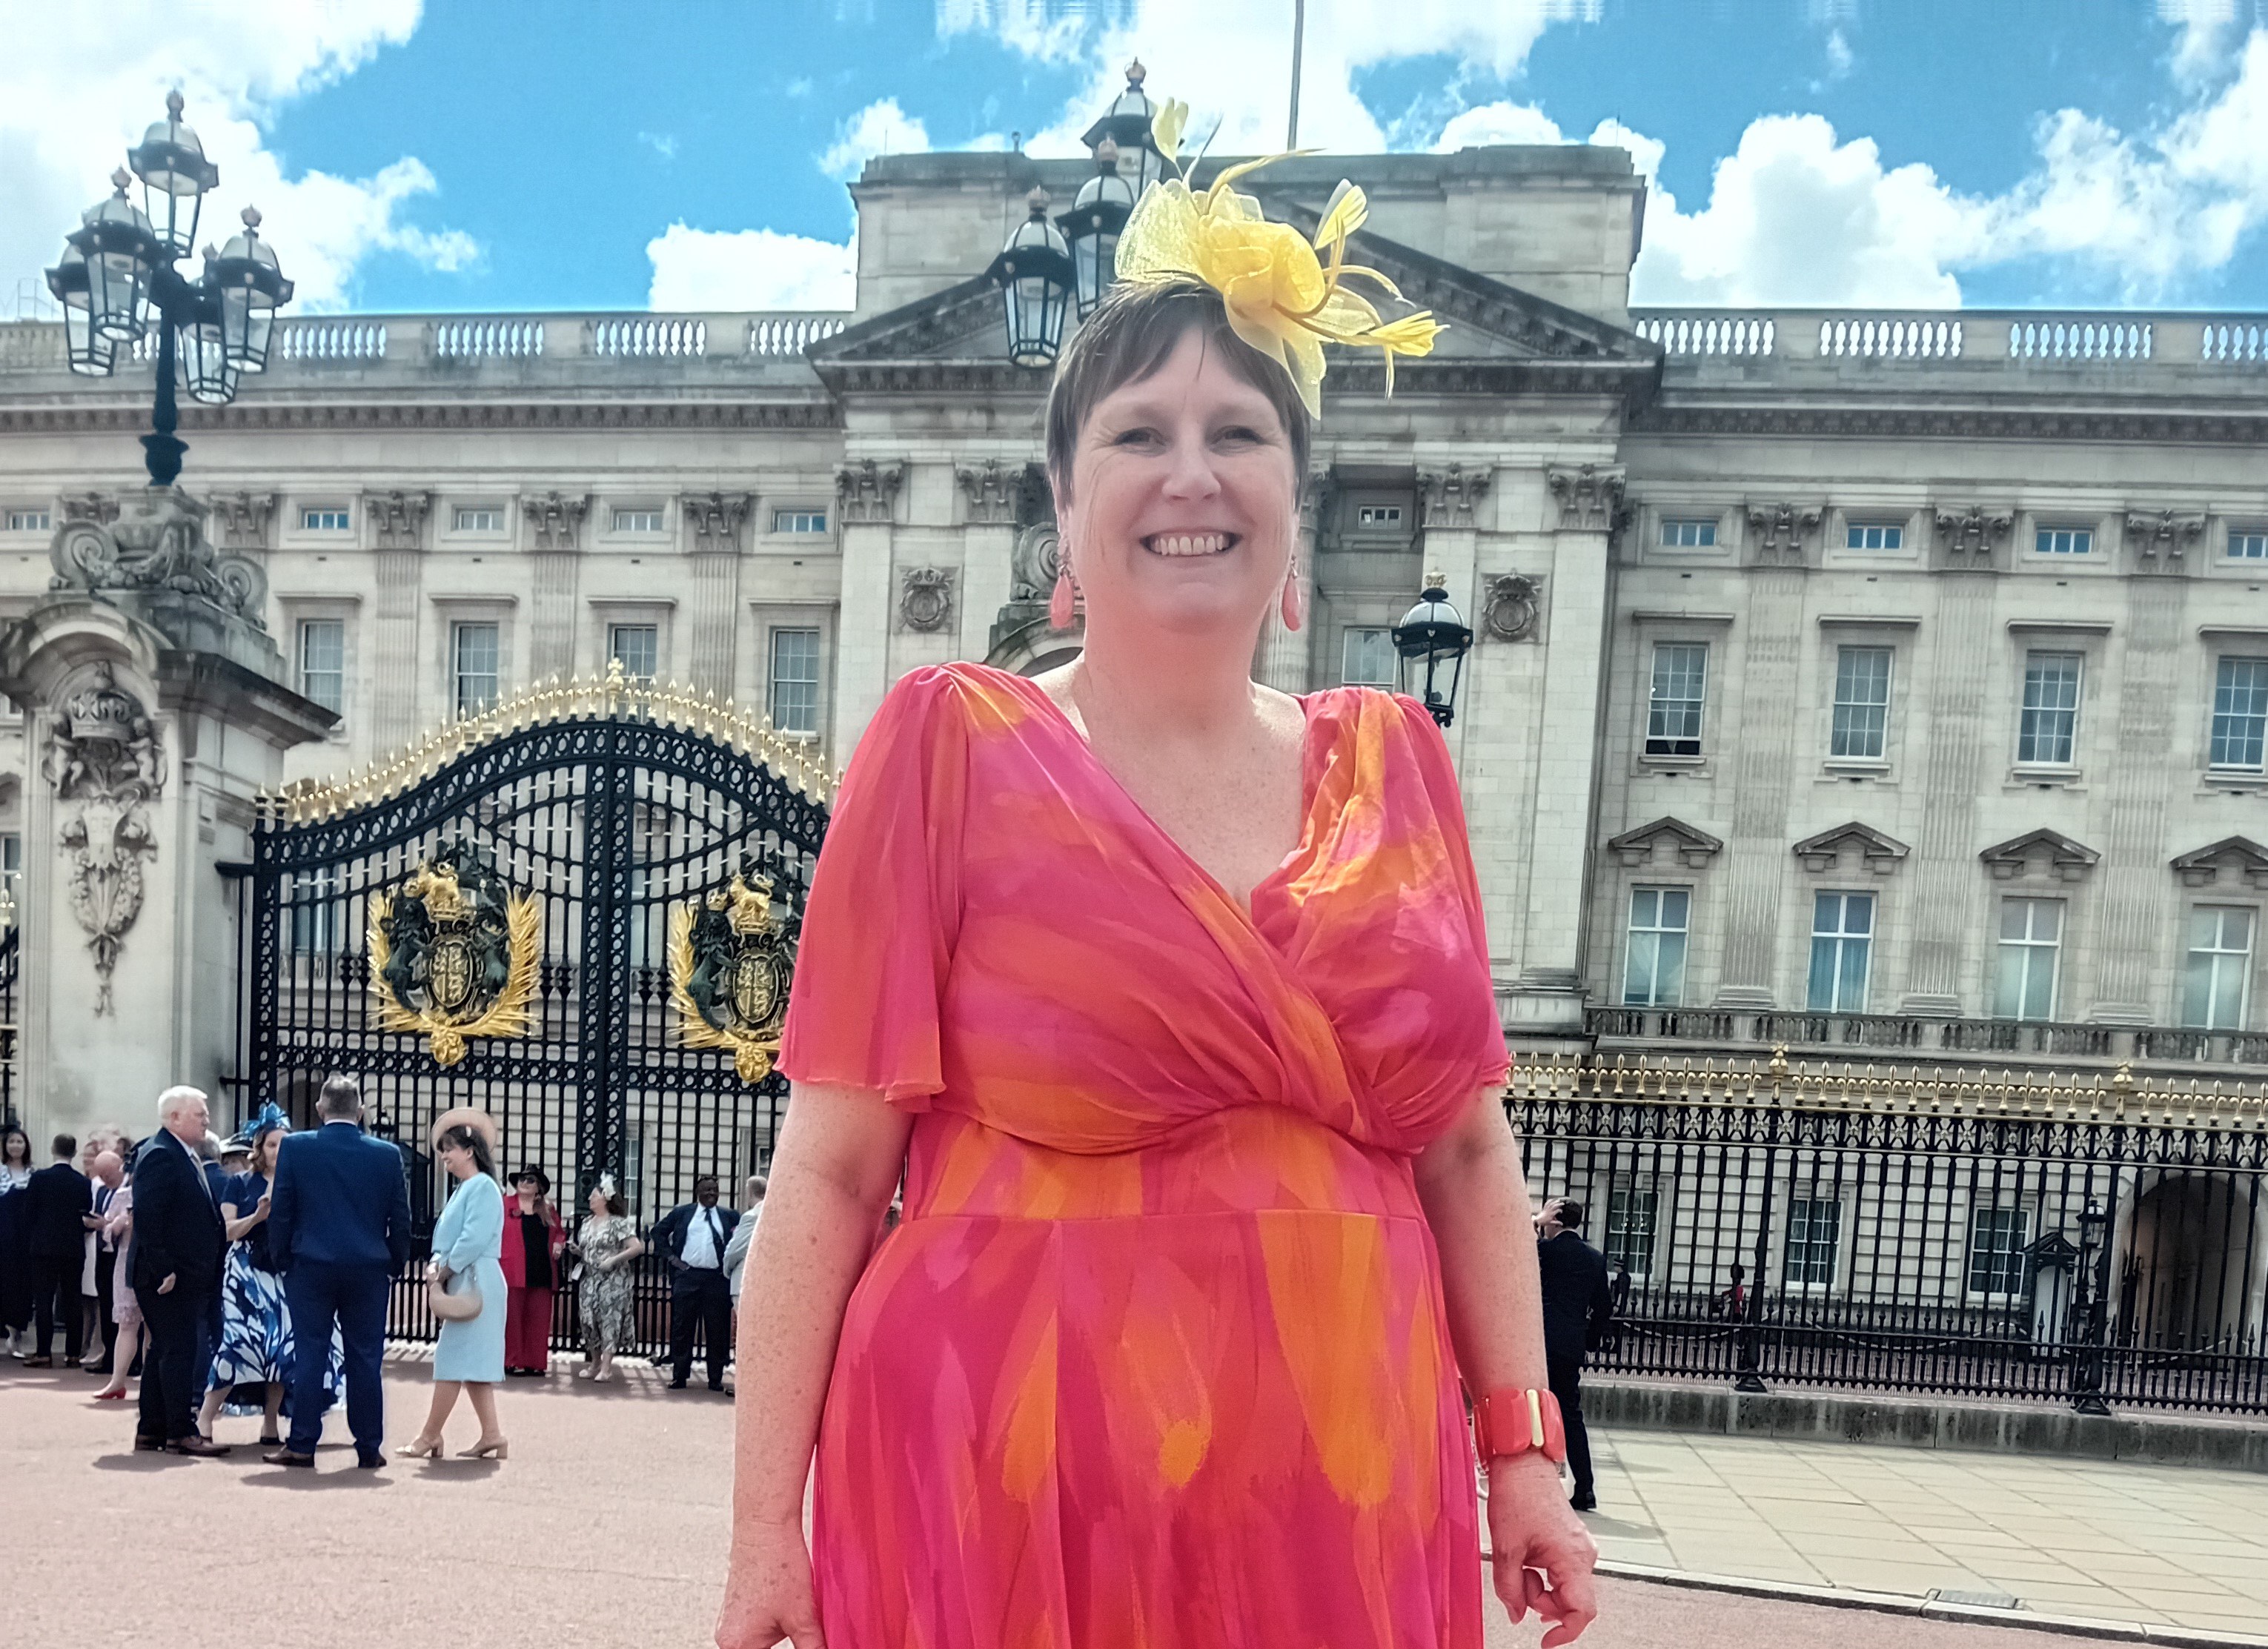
x=1509 y=610
x=925 y=600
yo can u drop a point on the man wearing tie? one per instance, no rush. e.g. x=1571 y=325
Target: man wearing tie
x=176 y=1254
x=692 y=1238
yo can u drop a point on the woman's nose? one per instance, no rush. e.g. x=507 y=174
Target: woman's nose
x=1189 y=472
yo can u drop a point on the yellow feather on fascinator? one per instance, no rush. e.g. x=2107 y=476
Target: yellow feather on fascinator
x=1284 y=292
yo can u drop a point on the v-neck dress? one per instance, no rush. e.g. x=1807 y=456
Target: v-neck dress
x=1158 y=1357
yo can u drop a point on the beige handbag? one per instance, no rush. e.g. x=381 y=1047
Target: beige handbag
x=453 y=1306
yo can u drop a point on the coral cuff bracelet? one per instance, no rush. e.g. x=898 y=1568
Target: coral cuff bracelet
x=1512 y=1421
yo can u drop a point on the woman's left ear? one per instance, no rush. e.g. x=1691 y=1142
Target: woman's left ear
x=1293 y=615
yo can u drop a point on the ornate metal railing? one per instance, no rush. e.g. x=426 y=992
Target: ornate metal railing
x=1910 y=1035
x=10 y=957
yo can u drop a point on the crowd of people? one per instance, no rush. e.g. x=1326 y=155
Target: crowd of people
x=251 y=1276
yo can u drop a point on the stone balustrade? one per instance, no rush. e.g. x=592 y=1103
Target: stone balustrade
x=2019 y=340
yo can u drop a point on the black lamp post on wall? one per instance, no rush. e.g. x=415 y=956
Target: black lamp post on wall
x=1034 y=274
x=116 y=280
x=1127 y=124
x=1100 y=211
x=1435 y=634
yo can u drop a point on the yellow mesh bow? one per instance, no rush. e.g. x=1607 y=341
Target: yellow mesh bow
x=1282 y=298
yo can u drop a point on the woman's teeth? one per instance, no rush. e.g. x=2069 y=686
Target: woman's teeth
x=1188 y=543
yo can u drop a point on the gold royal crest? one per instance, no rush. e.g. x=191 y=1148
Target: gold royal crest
x=453 y=953
x=730 y=961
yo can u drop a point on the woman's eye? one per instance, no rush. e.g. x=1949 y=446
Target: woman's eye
x=1239 y=432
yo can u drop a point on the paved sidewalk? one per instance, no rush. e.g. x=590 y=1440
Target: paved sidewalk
x=2163 y=1545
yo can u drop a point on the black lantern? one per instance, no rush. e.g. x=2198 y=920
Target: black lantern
x=1435 y=631
x=208 y=370
x=250 y=286
x=1034 y=274
x=90 y=351
x=122 y=252
x=1128 y=125
x=1092 y=226
x=175 y=175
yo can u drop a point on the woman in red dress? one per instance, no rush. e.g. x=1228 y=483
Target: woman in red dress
x=1167 y=996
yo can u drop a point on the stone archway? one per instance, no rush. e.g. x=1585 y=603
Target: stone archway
x=2197 y=1254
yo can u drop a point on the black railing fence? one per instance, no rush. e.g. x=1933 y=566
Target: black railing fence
x=10 y=956
x=2091 y=1240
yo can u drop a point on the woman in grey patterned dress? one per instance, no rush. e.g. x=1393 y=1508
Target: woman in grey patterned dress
x=608 y=1246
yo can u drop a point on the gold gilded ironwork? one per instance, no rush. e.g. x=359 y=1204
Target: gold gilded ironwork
x=730 y=961
x=453 y=954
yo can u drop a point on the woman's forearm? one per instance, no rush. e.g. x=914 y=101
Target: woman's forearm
x=1475 y=1200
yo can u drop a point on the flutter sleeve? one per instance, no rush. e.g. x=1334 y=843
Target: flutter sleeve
x=1479 y=1022
x=884 y=912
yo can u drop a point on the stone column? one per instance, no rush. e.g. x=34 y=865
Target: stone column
x=397 y=615
x=714 y=560
x=987 y=551
x=866 y=499
x=2133 y=870
x=554 y=616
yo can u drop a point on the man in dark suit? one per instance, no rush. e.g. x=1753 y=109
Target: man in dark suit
x=56 y=1202
x=691 y=1239
x=1578 y=1305
x=176 y=1254
x=338 y=1228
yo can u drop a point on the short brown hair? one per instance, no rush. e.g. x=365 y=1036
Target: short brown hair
x=1127 y=338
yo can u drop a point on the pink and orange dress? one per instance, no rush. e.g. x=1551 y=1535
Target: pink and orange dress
x=1157 y=1357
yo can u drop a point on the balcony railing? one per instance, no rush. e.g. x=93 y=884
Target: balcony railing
x=1912 y=1036
x=2018 y=339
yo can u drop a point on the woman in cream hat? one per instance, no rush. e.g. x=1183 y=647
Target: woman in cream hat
x=467 y=1251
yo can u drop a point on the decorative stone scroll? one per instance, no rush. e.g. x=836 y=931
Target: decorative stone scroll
x=1447 y=497
x=557 y=519
x=1968 y=540
x=159 y=545
x=105 y=763
x=399 y=517
x=1511 y=607
x=715 y=518
x=244 y=518
x=1780 y=534
x=866 y=492
x=925 y=598
x=1032 y=569
x=98 y=507
x=1590 y=496
x=992 y=489
x=2160 y=538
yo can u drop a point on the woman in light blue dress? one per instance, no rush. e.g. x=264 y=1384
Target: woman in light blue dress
x=467 y=1249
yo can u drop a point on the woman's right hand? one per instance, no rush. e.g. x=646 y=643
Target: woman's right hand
x=767 y=1594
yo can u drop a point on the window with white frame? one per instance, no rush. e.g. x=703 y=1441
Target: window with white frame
x=1815 y=1239
x=472 y=656
x=312 y=899
x=480 y=520
x=2217 y=974
x=637 y=520
x=2240 y=714
x=1653 y=970
x=794 y=700
x=11 y=876
x=2047 y=729
x=1873 y=535
x=28 y=520
x=1688 y=531
x=1631 y=1213
x=1842 y=950
x=325 y=520
x=2064 y=540
x=1674 y=699
x=2031 y=951
x=323 y=661
x=2249 y=545
x=1862 y=704
x=1367 y=659
x=798 y=521
x=637 y=648
x=1998 y=1238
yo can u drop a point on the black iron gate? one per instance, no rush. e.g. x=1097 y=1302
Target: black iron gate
x=600 y=814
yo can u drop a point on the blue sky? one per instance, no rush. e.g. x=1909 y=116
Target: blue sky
x=459 y=155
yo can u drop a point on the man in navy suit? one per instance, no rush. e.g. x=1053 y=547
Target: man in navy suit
x=338 y=1228
x=56 y=1202
x=176 y=1254
x=1578 y=1308
x=692 y=1238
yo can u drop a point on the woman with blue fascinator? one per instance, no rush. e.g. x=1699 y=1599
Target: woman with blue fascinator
x=253 y=1362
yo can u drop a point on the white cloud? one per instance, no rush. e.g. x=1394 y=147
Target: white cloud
x=1506 y=123
x=662 y=144
x=749 y=268
x=78 y=83
x=879 y=128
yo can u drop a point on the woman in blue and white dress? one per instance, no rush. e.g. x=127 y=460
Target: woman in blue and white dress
x=467 y=1254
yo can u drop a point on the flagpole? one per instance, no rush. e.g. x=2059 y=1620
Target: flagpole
x=1299 y=35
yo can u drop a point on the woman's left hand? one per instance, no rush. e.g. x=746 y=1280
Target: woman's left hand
x=1542 y=1555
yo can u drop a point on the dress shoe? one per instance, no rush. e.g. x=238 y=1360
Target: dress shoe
x=419 y=1448
x=202 y=1447
x=149 y=1444
x=677 y=1385
x=39 y=1362
x=486 y=1448
x=102 y=1367
x=371 y=1461
x=285 y=1457
x=1585 y=1502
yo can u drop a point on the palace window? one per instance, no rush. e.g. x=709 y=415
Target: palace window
x=1673 y=716
x=794 y=702
x=1998 y=1238
x=28 y=520
x=2240 y=714
x=480 y=520
x=1378 y=516
x=2064 y=540
x=1654 y=972
x=1688 y=532
x=637 y=520
x=322 y=662
x=1631 y=1213
x=1873 y=535
x=2248 y=546
x=1842 y=946
x=1367 y=659
x=1815 y=1237
x=2031 y=947
x=798 y=521
x=1862 y=702
x=637 y=648
x=473 y=658
x=11 y=876
x=2220 y=969
x=325 y=520
x=2047 y=731
x=312 y=899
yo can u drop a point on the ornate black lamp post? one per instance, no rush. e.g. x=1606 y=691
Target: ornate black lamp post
x=1034 y=273
x=1437 y=633
x=116 y=280
x=2093 y=1263
x=1092 y=226
x=1127 y=124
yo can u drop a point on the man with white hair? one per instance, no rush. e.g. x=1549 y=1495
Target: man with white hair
x=176 y=1254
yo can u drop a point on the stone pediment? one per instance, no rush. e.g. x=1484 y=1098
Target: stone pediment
x=2062 y=857
x=1693 y=848
x=2231 y=862
x=1881 y=854
x=1500 y=338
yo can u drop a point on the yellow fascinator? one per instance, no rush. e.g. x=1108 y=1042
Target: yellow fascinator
x=1285 y=294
